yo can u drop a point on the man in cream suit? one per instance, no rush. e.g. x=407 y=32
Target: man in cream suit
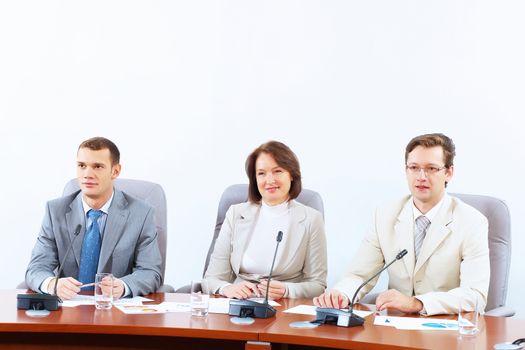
x=446 y=240
x=125 y=237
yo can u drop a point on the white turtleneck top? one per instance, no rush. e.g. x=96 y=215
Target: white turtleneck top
x=258 y=256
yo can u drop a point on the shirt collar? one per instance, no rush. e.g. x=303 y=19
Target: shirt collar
x=105 y=207
x=275 y=210
x=432 y=212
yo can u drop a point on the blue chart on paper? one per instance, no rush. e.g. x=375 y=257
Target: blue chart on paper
x=440 y=325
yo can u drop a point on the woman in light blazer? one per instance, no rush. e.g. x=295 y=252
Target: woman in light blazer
x=244 y=249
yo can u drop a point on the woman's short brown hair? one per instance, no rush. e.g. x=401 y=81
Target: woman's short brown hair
x=284 y=157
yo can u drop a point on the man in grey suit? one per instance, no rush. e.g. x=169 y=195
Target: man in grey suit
x=116 y=232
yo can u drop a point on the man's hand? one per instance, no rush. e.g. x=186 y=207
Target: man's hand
x=393 y=299
x=67 y=287
x=118 y=288
x=242 y=290
x=276 y=291
x=333 y=299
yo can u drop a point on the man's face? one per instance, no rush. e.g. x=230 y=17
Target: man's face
x=426 y=175
x=95 y=173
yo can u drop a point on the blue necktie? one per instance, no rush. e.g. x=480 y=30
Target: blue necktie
x=90 y=250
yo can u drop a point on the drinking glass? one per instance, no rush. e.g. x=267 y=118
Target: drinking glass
x=103 y=291
x=199 y=301
x=468 y=317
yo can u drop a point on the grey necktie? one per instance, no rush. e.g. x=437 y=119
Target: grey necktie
x=422 y=224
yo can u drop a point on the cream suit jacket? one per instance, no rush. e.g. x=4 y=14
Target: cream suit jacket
x=300 y=264
x=453 y=263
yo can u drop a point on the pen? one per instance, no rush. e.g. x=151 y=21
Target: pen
x=87 y=285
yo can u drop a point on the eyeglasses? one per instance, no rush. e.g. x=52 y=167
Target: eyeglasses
x=429 y=170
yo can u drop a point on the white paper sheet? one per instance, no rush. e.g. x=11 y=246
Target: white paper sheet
x=90 y=300
x=417 y=323
x=260 y=300
x=219 y=306
x=171 y=306
x=141 y=309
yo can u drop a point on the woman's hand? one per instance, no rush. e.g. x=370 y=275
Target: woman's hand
x=242 y=290
x=276 y=291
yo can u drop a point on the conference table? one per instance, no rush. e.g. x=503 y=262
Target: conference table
x=84 y=327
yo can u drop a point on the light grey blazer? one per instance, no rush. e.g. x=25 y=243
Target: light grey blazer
x=301 y=262
x=453 y=263
x=129 y=243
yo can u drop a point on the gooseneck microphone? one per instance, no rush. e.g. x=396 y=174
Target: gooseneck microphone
x=61 y=267
x=279 y=239
x=250 y=308
x=48 y=302
x=399 y=256
x=348 y=318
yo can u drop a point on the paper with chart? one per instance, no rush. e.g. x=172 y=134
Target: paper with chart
x=416 y=323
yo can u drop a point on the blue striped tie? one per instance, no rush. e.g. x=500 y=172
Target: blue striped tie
x=90 y=250
x=422 y=224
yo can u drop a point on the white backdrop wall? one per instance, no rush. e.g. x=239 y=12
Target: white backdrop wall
x=188 y=88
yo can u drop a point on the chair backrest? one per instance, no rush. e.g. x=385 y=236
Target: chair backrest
x=498 y=216
x=238 y=193
x=149 y=192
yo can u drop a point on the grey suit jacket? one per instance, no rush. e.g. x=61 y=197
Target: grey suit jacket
x=129 y=244
x=453 y=263
x=301 y=262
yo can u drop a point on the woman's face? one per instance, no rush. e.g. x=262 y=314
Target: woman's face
x=273 y=181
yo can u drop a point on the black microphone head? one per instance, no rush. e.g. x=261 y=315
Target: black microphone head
x=77 y=229
x=279 y=236
x=401 y=254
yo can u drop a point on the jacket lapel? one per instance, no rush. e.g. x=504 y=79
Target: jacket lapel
x=74 y=217
x=244 y=226
x=404 y=231
x=291 y=246
x=114 y=229
x=436 y=233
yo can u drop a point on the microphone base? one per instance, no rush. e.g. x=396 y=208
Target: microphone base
x=250 y=308
x=37 y=302
x=338 y=317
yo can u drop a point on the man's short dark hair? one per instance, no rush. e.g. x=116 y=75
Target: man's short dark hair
x=434 y=140
x=100 y=143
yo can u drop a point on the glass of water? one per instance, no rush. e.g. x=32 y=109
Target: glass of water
x=199 y=300
x=468 y=317
x=104 y=291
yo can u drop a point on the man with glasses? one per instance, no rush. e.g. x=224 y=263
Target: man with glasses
x=446 y=240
